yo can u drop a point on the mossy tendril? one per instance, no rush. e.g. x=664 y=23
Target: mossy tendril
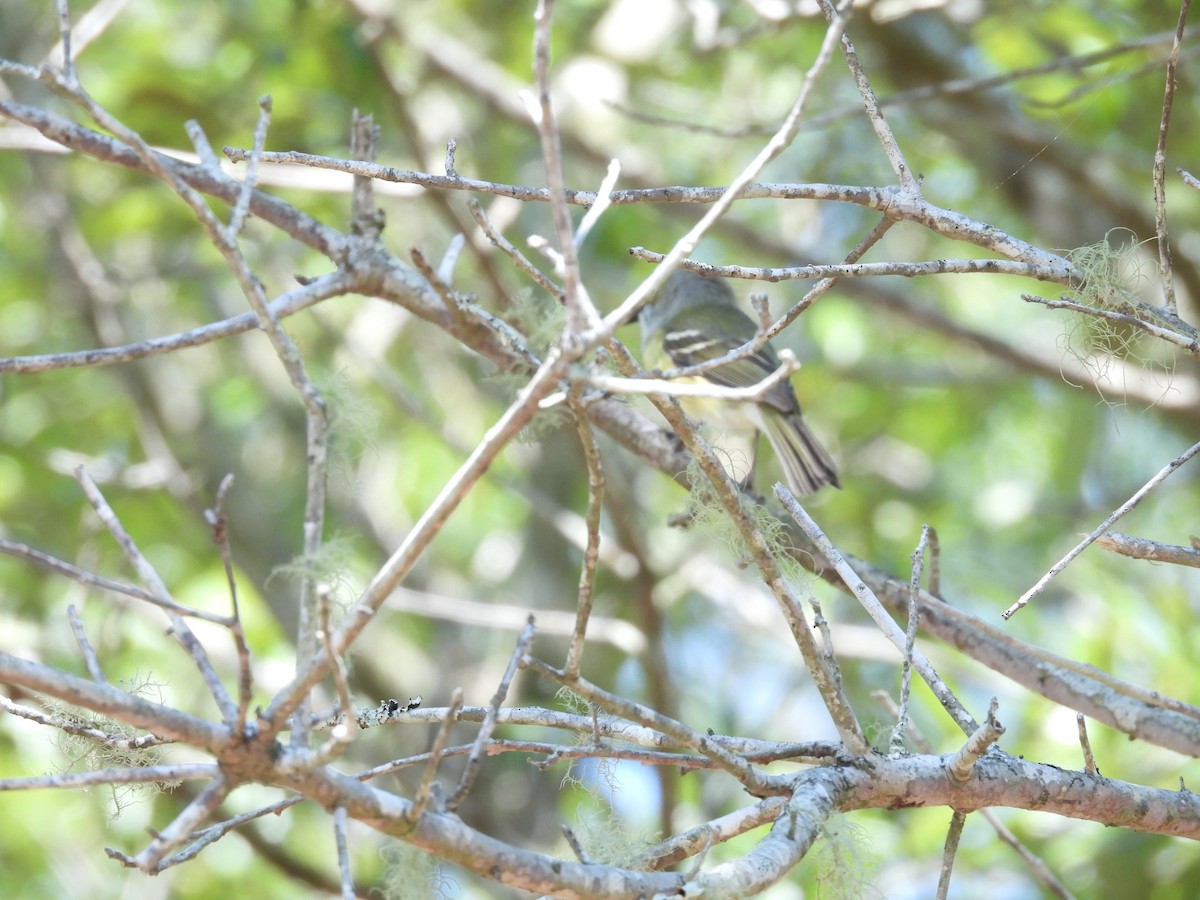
x=1105 y=273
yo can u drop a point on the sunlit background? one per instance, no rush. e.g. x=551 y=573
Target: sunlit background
x=946 y=400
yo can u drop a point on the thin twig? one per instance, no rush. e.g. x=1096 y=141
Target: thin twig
x=345 y=874
x=152 y=580
x=582 y=315
x=553 y=753
x=910 y=639
x=591 y=553
x=91 y=579
x=624 y=732
x=204 y=150
x=426 y=789
x=332 y=285
x=957 y=820
x=205 y=837
x=748 y=775
x=881 y=199
x=678 y=848
x=164 y=721
x=1043 y=269
x=603 y=202
x=728 y=496
x=1089 y=759
x=1120 y=511
x=520 y=260
x=933 y=568
x=188 y=167
x=524 y=642
x=822 y=625
x=1165 y=268
x=1143 y=548
x=701 y=856
x=777 y=144
x=345 y=732
x=316 y=454
x=85 y=646
x=237 y=219
x=1036 y=864
x=454 y=248
x=425 y=267
x=1039 y=868
x=787 y=367
x=364 y=143
x=294 y=759
x=64 y=37
x=164 y=774
x=548 y=250
x=472 y=313
x=573 y=842
x=869 y=240
x=960 y=766
x=401 y=562
x=876 y=610
x=891 y=147
x=181 y=827
x=939 y=220
x=90 y=27
x=316 y=420
x=215 y=516
x=1180 y=333
x=116 y=741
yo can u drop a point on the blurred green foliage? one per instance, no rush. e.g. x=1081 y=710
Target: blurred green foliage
x=1007 y=459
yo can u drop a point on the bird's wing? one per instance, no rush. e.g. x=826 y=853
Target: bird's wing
x=689 y=345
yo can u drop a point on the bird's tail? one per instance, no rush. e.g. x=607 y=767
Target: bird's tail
x=807 y=465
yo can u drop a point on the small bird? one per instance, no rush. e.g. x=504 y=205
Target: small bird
x=694 y=319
